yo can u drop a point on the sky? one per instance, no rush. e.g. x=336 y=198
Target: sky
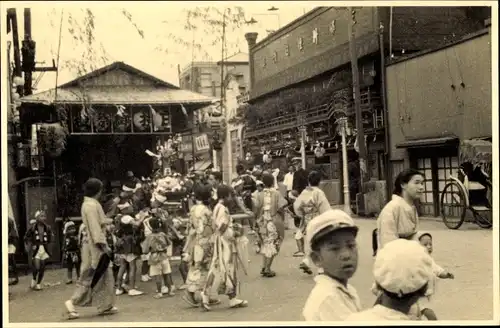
x=156 y=53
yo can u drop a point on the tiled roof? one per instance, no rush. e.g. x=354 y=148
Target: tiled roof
x=119 y=95
x=117 y=66
x=155 y=91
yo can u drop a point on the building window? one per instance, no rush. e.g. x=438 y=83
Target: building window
x=214 y=91
x=206 y=80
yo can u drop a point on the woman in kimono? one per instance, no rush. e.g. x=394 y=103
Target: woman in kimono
x=96 y=283
x=399 y=218
x=37 y=239
x=198 y=249
x=268 y=207
x=311 y=202
x=226 y=257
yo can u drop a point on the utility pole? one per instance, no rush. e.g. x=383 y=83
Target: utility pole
x=193 y=126
x=225 y=112
x=12 y=22
x=357 y=101
x=28 y=51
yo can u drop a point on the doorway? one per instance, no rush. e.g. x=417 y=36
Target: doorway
x=437 y=165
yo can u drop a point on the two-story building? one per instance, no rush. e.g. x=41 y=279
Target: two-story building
x=435 y=99
x=301 y=76
x=205 y=78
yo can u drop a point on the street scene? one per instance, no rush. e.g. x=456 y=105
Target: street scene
x=254 y=162
x=282 y=299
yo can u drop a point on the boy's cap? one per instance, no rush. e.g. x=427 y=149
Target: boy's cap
x=402 y=267
x=328 y=222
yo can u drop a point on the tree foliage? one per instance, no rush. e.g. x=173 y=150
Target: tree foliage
x=203 y=30
x=82 y=33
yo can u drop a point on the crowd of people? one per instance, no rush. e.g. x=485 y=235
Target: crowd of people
x=136 y=235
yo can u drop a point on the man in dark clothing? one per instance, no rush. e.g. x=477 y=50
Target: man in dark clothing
x=299 y=177
x=300 y=182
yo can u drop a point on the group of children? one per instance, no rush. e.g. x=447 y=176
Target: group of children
x=142 y=236
x=404 y=274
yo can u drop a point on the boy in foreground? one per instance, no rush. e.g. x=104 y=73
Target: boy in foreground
x=332 y=240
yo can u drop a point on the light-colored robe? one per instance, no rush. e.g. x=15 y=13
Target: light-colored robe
x=267 y=206
x=311 y=202
x=229 y=253
x=93 y=233
x=398 y=219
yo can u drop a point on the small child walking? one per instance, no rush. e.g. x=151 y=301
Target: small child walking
x=157 y=244
x=71 y=248
x=37 y=240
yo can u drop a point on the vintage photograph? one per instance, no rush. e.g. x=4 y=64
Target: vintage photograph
x=272 y=162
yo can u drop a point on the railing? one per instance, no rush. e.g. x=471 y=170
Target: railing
x=370 y=101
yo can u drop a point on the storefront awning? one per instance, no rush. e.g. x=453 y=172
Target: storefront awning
x=201 y=166
x=429 y=142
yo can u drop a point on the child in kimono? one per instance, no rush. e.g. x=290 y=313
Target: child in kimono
x=226 y=257
x=268 y=208
x=311 y=202
x=37 y=238
x=162 y=216
x=156 y=244
x=198 y=249
x=71 y=249
x=126 y=248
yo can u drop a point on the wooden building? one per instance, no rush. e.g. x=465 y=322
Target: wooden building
x=113 y=115
x=301 y=75
x=435 y=99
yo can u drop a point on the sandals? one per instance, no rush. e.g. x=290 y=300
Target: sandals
x=190 y=300
x=110 y=311
x=269 y=274
x=71 y=313
x=240 y=304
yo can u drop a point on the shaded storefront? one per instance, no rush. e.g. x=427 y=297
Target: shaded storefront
x=111 y=117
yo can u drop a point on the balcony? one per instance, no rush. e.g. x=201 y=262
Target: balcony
x=370 y=103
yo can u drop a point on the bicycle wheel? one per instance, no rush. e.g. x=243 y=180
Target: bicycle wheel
x=453 y=206
x=483 y=219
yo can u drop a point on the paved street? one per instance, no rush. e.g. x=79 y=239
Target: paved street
x=466 y=252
